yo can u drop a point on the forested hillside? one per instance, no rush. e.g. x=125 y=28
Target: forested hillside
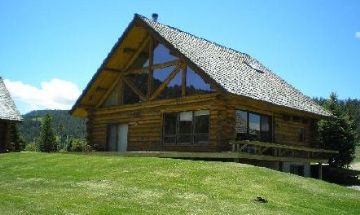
x=64 y=125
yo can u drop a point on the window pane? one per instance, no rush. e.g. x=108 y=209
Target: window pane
x=129 y=96
x=140 y=80
x=170 y=124
x=254 y=126
x=173 y=90
x=184 y=139
x=201 y=123
x=201 y=129
x=162 y=54
x=265 y=128
x=170 y=120
x=195 y=84
x=185 y=123
x=201 y=138
x=241 y=122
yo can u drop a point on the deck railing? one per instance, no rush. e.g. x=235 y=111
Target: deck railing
x=279 y=150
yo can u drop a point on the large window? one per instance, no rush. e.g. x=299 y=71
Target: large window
x=253 y=126
x=185 y=128
x=156 y=73
x=195 y=84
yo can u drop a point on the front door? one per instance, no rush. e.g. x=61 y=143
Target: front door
x=117 y=137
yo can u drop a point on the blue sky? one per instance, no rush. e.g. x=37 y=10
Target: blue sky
x=49 y=50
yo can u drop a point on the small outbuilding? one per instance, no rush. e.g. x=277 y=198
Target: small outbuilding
x=9 y=116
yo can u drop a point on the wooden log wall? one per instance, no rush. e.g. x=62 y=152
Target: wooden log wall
x=145 y=123
x=6 y=134
x=286 y=123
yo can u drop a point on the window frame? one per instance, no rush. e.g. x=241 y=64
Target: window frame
x=193 y=134
x=261 y=115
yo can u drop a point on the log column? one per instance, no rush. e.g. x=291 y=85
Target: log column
x=320 y=171
x=89 y=126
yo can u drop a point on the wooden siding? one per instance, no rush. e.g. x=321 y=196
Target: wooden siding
x=6 y=133
x=286 y=123
x=146 y=120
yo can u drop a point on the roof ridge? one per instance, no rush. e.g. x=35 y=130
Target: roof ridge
x=201 y=38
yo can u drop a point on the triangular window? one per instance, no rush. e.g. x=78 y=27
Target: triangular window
x=162 y=54
x=140 y=80
x=142 y=60
x=129 y=96
x=195 y=84
x=173 y=89
x=160 y=75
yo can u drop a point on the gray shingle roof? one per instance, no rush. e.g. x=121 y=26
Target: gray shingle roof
x=236 y=72
x=8 y=109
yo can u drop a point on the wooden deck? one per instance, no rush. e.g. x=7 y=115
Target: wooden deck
x=252 y=150
x=219 y=155
x=280 y=152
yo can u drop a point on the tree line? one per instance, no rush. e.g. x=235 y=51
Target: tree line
x=50 y=130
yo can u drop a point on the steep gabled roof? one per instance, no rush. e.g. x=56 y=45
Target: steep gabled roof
x=235 y=72
x=8 y=109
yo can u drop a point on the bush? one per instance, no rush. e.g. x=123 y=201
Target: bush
x=30 y=147
x=78 y=145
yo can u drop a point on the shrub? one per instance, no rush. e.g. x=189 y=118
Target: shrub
x=79 y=145
x=30 y=147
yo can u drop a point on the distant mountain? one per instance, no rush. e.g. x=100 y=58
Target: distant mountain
x=62 y=122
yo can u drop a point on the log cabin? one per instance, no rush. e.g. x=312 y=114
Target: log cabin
x=9 y=116
x=164 y=92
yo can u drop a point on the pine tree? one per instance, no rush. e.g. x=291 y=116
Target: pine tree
x=47 y=141
x=17 y=139
x=338 y=133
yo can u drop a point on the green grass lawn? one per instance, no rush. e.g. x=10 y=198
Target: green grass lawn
x=37 y=183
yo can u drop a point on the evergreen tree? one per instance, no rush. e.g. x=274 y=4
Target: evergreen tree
x=47 y=141
x=19 y=143
x=338 y=133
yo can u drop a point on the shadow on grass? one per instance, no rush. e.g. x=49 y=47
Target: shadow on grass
x=346 y=177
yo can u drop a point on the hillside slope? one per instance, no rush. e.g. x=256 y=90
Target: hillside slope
x=39 y=183
x=62 y=122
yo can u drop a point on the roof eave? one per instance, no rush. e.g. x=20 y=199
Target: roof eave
x=105 y=61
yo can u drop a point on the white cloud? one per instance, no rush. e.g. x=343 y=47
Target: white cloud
x=357 y=35
x=53 y=94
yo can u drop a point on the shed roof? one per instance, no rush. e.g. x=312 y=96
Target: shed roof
x=8 y=109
